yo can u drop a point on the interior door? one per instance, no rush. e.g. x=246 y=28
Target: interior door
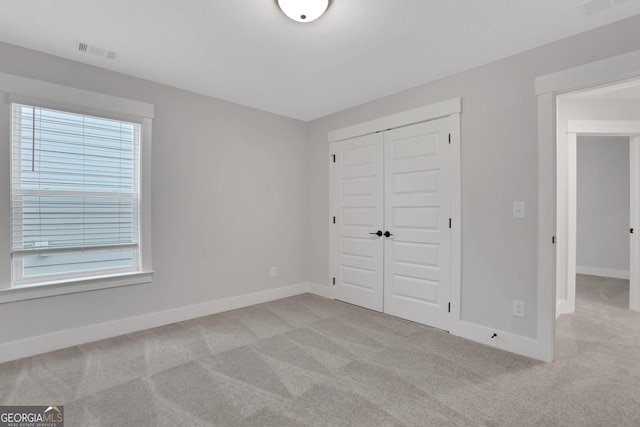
x=359 y=202
x=417 y=276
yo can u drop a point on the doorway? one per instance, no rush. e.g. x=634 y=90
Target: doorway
x=602 y=223
x=606 y=227
x=592 y=103
x=603 y=206
x=619 y=69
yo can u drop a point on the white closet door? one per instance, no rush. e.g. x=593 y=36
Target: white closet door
x=417 y=211
x=359 y=201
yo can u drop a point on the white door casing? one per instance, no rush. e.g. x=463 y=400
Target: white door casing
x=447 y=112
x=398 y=181
x=634 y=212
x=417 y=271
x=605 y=71
x=359 y=212
x=566 y=276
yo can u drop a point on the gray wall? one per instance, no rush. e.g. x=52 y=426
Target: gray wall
x=237 y=190
x=603 y=202
x=499 y=152
x=229 y=202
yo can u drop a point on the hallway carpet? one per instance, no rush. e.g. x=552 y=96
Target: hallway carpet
x=307 y=360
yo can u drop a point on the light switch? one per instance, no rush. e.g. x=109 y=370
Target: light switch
x=519 y=210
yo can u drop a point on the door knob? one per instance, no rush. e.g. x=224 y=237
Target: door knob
x=378 y=233
x=387 y=234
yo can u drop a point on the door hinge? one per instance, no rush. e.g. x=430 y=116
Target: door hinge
x=449 y=222
x=553 y=240
x=334 y=280
x=334 y=219
x=449 y=138
x=631 y=231
x=449 y=307
x=334 y=158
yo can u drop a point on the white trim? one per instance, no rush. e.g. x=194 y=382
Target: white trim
x=481 y=334
x=571 y=232
x=145 y=183
x=405 y=118
x=563 y=307
x=54 y=95
x=604 y=127
x=603 y=272
x=323 y=291
x=67 y=98
x=546 y=326
x=58 y=340
x=567 y=226
x=74 y=285
x=596 y=73
x=507 y=341
x=547 y=87
x=634 y=215
x=456 y=219
x=451 y=109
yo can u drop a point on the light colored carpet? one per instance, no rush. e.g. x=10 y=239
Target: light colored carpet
x=306 y=360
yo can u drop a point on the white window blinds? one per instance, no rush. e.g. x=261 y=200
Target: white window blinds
x=74 y=183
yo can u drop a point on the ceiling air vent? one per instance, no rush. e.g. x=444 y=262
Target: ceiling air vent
x=97 y=51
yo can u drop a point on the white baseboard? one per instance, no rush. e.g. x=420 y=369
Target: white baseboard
x=564 y=307
x=69 y=338
x=603 y=272
x=323 y=291
x=504 y=340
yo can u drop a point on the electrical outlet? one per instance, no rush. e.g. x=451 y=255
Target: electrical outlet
x=518 y=308
x=274 y=271
x=519 y=210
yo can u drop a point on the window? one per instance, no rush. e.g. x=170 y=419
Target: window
x=75 y=195
x=75 y=190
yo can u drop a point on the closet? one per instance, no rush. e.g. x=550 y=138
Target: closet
x=392 y=205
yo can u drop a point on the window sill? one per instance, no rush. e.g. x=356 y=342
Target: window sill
x=71 y=286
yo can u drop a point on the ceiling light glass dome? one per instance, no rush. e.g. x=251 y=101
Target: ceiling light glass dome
x=303 y=10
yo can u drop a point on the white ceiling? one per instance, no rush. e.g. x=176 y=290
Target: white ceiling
x=248 y=52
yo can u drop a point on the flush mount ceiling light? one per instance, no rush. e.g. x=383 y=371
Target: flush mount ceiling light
x=303 y=10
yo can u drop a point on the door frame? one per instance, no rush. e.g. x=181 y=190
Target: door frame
x=593 y=74
x=452 y=109
x=566 y=266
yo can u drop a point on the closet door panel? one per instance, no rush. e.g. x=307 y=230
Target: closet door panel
x=360 y=211
x=417 y=210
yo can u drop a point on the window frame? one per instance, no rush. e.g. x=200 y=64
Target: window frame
x=21 y=188
x=47 y=95
x=20 y=281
